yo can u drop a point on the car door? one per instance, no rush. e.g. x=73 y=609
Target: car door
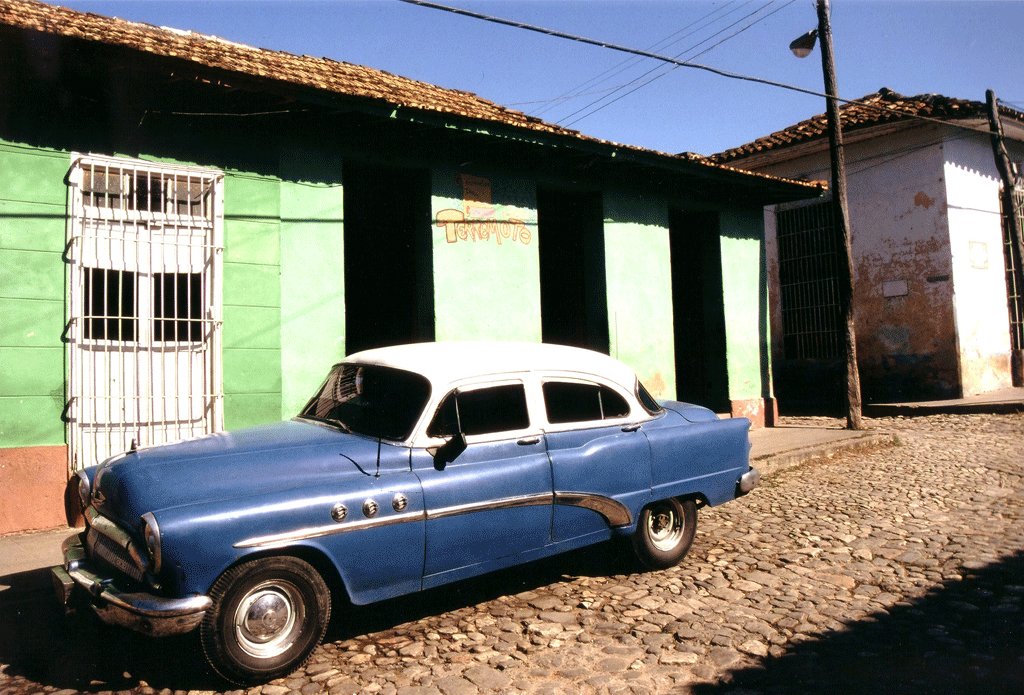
x=490 y=505
x=600 y=460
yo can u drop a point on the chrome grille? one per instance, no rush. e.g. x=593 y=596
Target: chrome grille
x=111 y=553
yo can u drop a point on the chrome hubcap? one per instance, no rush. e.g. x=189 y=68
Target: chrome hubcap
x=664 y=527
x=266 y=620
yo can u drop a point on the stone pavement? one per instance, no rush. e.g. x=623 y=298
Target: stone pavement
x=895 y=568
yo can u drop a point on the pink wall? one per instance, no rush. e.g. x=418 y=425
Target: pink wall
x=33 y=481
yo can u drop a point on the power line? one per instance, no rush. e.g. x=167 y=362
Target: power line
x=659 y=66
x=669 y=70
x=633 y=60
x=687 y=64
x=614 y=47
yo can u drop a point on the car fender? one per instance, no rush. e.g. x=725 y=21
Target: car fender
x=694 y=455
x=356 y=527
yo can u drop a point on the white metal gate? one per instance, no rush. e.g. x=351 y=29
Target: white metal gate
x=144 y=312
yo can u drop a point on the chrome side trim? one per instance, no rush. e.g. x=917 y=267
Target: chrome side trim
x=277 y=540
x=538 y=499
x=614 y=512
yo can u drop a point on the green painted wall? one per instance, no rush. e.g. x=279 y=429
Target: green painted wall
x=252 y=300
x=312 y=275
x=639 y=284
x=32 y=214
x=486 y=262
x=746 y=303
x=283 y=289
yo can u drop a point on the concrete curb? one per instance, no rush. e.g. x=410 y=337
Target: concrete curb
x=769 y=464
x=923 y=409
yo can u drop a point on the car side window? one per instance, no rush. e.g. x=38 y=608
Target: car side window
x=481 y=411
x=570 y=401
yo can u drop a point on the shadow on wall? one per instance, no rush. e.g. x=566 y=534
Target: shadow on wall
x=963 y=637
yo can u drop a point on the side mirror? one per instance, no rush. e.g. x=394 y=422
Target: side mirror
x=449 y=451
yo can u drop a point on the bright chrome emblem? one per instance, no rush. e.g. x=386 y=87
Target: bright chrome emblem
x=370 y=508
x=399 y=502
x=339 y=512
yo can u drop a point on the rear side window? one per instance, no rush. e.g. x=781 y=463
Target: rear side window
x=570 y=401
x=481 y=411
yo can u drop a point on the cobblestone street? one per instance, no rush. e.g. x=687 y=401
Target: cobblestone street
x=896 y=569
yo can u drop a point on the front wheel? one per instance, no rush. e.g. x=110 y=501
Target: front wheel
x=664 y=532
x=267 y=617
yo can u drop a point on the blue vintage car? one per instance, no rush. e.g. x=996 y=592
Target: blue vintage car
x=412 y=466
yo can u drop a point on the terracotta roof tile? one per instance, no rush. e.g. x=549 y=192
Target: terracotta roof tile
x=883 y=106
x=317 y=73
x=211 y=51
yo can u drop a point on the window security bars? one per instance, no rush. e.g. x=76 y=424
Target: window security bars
x=144 y=316
x=809 y=279
x=1015 y=276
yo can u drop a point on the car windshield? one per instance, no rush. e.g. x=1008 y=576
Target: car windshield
x=371 y=400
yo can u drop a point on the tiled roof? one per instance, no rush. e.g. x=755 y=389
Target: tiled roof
x=883 y=106
x=323 y=74
x=211 y=51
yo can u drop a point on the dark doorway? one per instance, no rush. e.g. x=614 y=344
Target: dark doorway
x=698 y=310
x=389 y=289
x=811 y=376
x=574 y=305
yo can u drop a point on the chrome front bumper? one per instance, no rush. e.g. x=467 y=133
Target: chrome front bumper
x=136 y=610
x=748 y=481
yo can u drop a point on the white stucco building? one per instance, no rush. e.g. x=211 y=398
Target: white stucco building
x=937 y=301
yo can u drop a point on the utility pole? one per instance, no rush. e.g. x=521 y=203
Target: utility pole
x=1010 y=218
x=841 y=215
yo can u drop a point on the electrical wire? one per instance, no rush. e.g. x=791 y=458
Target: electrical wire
x=687 y=64
x=633 y=60
x=659 y=66
x=665 y=71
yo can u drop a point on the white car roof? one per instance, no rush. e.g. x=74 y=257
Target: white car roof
x=446 y=362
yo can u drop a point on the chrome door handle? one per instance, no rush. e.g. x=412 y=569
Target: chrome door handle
x=526 y=441
x=631 y=428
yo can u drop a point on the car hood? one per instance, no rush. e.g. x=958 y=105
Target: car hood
x=236 y=464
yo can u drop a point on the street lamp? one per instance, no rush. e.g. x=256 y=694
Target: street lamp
x=803 y=45
x=801 y=48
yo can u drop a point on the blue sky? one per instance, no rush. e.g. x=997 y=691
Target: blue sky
x=957 y=48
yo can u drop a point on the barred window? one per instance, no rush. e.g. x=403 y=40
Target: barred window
x=1015 y=276
x=177 y=307
x=809 y=280
x=142 y=190
x=110 y=312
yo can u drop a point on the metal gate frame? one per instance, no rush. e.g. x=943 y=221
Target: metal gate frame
x=1015 y=275
x=141 y=215
x=809 y=280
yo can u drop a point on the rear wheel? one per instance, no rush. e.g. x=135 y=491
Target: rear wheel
x=267 y=617
x=664 y=532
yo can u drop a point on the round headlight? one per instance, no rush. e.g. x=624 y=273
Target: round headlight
x=151 y=534
x=76 y=499
x=83 y=490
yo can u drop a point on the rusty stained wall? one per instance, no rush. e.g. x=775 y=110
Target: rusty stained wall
x=904 y=309
x=979 y=271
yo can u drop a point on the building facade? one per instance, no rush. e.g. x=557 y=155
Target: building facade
x=937 y=285
x=193 y=231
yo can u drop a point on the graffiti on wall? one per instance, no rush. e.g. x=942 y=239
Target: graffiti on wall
x=480 y=219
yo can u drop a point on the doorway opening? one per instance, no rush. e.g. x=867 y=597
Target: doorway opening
x=573 y=296
x=389 y=289
x=698 y=311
